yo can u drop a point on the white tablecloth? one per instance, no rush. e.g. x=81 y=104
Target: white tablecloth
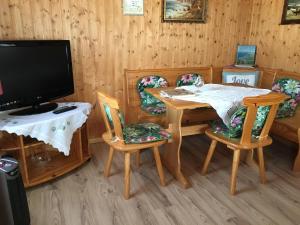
x=54 y=129
x=224 y=99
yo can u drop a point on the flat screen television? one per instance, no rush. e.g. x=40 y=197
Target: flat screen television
x=34 y=72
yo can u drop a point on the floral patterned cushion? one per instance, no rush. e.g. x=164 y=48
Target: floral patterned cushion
x=148 y=102
x=235 y=127
x=144 y=132
x=188 y=79
x=289 y=87
x=109 y=117
x=155 y=109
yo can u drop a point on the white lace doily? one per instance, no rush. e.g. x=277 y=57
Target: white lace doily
x=54 y=129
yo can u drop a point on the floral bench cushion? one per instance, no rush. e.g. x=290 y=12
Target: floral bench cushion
x=235 y=127
x=155 y=109
x=143 y=133
x=289 y=87
x=188 y=79
x=149 y=103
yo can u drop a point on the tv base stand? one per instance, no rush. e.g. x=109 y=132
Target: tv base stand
x=35 y=109
x=40 y=162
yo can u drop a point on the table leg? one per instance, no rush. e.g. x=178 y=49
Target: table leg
x=171 y=155
x=296 y=167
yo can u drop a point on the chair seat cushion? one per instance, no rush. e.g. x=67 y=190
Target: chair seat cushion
x=144 y=132
x=289 y=87
x=235 y=127
x=155 y=109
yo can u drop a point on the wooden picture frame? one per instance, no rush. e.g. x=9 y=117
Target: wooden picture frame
x=133 y=7
x=245 y=56
x=187 y=11
x=291 y=12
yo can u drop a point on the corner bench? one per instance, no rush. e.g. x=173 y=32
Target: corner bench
x=287 y=128
x=132 y=108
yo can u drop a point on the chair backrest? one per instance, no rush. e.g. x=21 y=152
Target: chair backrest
x=271 y=100
x=111 y=111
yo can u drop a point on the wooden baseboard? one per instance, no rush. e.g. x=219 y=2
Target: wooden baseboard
x=95 y=140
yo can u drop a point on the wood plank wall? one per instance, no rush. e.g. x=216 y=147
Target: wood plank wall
x=104 y=42
x=278 y=45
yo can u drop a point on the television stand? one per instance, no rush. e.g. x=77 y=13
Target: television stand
x=46 y=145
x=35 y=109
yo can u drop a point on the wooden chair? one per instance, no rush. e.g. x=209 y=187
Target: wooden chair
x=115 y=139
x=247 y=141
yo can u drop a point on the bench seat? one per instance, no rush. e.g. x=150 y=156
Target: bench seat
x=289 y=128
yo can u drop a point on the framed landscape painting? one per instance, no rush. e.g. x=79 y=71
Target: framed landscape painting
x=245 y=56
x=186 y=11
x=291 y=12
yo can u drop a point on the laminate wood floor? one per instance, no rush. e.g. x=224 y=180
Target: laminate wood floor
x=85 y=197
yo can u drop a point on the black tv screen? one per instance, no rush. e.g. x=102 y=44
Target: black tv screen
x=33 y=72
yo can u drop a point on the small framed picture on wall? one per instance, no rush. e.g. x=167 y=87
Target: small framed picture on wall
x=291 y=12
x=133 y=7
x=187 y=11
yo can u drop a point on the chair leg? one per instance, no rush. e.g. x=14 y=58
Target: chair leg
x=108 y=163
x=235 y=166
x=250 y=158
x=159 y=166
x=127 y=176
x=209 y=156
x=138 y=159
x=261 y=163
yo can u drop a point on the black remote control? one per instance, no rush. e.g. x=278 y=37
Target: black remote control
x=64 y=109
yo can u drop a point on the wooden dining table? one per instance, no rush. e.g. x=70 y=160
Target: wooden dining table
x=172 y=153
x=171 y=156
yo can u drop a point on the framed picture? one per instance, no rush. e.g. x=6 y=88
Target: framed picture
x=245 y=56
x=291 y=12
x=250 y=78
x=133 y=7
x=187 y=11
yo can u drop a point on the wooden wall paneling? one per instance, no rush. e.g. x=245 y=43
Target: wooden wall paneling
x=245 y=10
x=68 y=23
x=5 y=21
x=56 y=19
x=26 y=18
x=221 y=15
x=278 y=46
x=37 y=20
x=146 y=31
x=118 y=64
x=88 y=85
x=48 y=26
x=165 y=42
x=16 y=20
x=187 y=36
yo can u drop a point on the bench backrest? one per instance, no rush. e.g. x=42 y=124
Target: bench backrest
x=133 y=112
x=131 y=99
x=269 y=76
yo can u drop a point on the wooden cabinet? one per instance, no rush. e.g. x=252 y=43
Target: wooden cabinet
x=40 y=162
x=244 y=76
